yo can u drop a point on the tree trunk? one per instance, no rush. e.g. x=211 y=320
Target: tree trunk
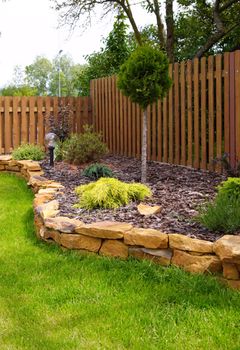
x=144 y=148
x=170 y=30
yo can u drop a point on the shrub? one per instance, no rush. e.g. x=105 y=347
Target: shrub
x=62 y=123
x=223 y=214
x=109 y=194
x=95 y=171
x=230 y=188
x=84 y=147
x=28 y=152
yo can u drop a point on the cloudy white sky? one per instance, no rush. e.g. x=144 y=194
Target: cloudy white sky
x=29 y=28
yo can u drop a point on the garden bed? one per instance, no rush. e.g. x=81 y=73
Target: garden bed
x=178 y=190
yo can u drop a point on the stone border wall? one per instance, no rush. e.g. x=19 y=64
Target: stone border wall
x=122 y=240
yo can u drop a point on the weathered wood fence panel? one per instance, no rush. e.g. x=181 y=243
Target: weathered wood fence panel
x=197 y=122
x=25 y=119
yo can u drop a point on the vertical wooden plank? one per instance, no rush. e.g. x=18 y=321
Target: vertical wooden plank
x=70 y=106
x=170 y=118
x=159 y=131
x=24 y=123
x=189 y=115
x=32 y=121
x=106 y=116
x=154 y=132
x=1 y=125
x=121 y=124
x=48 y=101
x=129 y=127
x=103 y=113
x=78 y=115
x=218 y=109
x=40 y=121
x=165 y=131
x=117 y=119
x=237 y=103
x=203 y=115
x=125 y=134
x=196 y=113
x=210 y=112
x=232 y=122
x=93 y=105
x=7 y=125
x=55 y=108
x=16 y=123
x=110 y=113
x=176 y=114
x=183 y=113
x=226 y=104
x=113 y=103
x=149 y=132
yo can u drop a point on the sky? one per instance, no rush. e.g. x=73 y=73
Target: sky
x=29 y=28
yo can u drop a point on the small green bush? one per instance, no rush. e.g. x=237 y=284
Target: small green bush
x=84 y=147
x=110 y=194
x=223 y=214
x=230 y=188
x=28 y=152
x=96 y=171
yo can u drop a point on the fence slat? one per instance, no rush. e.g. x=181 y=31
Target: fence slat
x=176 y=114
x=210 y=113
x=16 y=122
x=32 y=122
x=170 y=118
x=24 y=123
x=159 y=131
x=183 y=113
x=189 y=114
x=203 y=115
x=165 y=131
x=196 y=112
x=218 y=110
x=226 y=104
x=237 y=103
x=7 y=125
x=154 y=132
x=1 y=125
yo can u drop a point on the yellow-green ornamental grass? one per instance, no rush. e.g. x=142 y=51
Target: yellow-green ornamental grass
x=109 y=193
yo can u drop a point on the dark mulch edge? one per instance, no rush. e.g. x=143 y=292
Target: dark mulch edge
x=177 y=189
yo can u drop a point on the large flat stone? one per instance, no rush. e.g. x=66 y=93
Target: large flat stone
x=196 y=263
x=29 y=165
x=148 y=210
x=114 y=248
x=147 y=238
x=160 y=256
x=49 y=209
x=181 y=242
x=76 y=241
x=228 y=248
x=62 y=224
x=5 y=159
x=105 y=229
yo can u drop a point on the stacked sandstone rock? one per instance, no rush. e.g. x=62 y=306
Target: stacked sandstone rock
x=122 y=240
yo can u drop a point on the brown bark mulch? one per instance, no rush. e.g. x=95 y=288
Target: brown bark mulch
x=178 y=190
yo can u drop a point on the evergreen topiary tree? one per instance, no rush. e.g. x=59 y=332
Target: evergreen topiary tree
x=144 y=78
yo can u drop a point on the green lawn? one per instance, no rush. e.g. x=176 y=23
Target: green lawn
x=54 y=299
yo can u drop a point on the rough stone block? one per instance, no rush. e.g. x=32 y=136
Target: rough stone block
x=159 y=256
x=114 y=248
x=148 y=210
x=196 y=263
x=105 y=229
x=63 y=224
x=147 y=238
x=230 y=271
x=181 y=242
x=228 y=248
x=76 y=241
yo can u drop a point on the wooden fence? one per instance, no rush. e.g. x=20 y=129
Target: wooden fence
x=25 y=119
x=197 y=122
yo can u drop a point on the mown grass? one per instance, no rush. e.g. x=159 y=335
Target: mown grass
x=55 y=299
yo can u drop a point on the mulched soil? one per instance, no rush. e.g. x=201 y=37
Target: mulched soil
x=178 y=190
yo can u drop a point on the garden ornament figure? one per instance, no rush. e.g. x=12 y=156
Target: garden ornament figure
x=50 y=141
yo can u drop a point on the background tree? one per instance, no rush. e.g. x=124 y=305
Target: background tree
x=38 y=75
x=144 y=78
x=219 y=19
x=116 y=49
